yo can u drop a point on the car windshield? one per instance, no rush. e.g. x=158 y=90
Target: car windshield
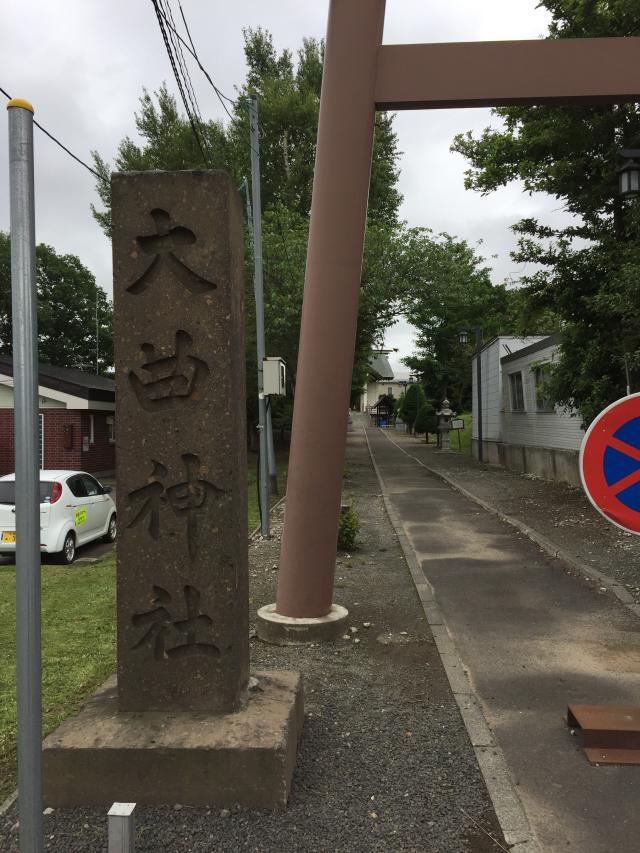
x=8 y=492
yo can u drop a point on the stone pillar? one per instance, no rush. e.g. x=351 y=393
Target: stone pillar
x=181 y=442
x=180 y=725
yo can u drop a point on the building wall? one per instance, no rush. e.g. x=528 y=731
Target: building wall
x=99 y=458
x=55 y=453
x=6 y=441
x=375 y=390
x=536 y=441
x=6 y=397
x=492 y=401
x=558 y=428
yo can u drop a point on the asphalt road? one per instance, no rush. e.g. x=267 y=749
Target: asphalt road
x=534 y=639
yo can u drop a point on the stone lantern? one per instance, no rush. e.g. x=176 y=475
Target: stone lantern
x=445 y=416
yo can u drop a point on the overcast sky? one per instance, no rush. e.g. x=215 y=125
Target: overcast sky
x=83 y=64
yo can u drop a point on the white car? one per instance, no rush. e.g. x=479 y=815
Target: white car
x=74 y=509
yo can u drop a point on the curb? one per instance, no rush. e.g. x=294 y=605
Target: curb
x=493 y=766
x=4 y=808
x=587 y=571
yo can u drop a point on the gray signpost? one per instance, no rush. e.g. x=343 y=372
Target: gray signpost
x=27 y=507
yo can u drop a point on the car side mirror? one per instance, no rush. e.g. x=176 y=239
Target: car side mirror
x=106 y=490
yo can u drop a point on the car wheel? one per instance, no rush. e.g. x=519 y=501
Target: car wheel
x=112 y=530
x=68 y=553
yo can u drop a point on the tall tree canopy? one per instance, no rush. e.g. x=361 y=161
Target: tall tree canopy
x=68 y=298
x=588 y=273
x=289 y=97
x=450 y=288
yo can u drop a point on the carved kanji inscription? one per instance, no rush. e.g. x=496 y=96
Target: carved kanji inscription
x=181 y=453
x=170 y=636
x=169 y=381
x=164 y=247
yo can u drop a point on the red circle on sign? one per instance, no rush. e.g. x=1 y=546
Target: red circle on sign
x=607 y=493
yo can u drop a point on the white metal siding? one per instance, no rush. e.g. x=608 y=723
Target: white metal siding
x=532 y=428
x=492 y=402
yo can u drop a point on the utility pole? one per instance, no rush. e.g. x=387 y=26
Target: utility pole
x=271 y=453
x=258 y=287
x=27 y=466
x=478 y=331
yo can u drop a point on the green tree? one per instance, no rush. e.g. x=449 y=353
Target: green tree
x=449 y=287
x=414 y=399
x=288 y=94
x=587 y=275
x=67 y=299
x=426 y=420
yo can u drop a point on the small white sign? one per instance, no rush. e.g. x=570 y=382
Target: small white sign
x=457 y=423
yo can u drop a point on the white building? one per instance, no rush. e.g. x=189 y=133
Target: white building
x=381 y=382
x=522 y=430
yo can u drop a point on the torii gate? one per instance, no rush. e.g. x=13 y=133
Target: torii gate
x=361 y=75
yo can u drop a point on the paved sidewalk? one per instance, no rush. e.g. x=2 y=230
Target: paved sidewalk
x=534 y=638
x=559 y=513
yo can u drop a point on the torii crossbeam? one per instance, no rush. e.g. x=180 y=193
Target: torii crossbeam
x=360 y=76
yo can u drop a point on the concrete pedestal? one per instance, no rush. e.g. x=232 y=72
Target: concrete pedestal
x=290 y=631
x=105 y=755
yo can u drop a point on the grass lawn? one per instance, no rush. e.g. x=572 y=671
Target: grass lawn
x=463 y=436
x=78 y=646
x=282 y=462
x=78 y=635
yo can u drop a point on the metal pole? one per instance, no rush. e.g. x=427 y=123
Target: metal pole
x=273 y=470
x=258 y=286
x=27 y=506
x=479 y=381
x=271 y=454
x=122 y=828
x=626 y=373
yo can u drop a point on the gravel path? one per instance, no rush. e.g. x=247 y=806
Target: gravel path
x=385 y=763
x=561 y=513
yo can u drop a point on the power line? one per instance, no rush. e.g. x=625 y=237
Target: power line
x=64 y=147
x=161 y=19
x=191 y=48
x=177 y=48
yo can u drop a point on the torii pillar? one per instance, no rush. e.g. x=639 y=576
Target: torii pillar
x=360 y=76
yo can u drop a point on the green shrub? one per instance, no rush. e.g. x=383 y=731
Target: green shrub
x=414 y=398
x=348 y=528
x=426 y=420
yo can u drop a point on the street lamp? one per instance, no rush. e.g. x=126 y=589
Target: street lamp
x=629 y=174
x=463 y=334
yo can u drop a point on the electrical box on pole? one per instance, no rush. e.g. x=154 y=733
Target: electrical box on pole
x=274 y=376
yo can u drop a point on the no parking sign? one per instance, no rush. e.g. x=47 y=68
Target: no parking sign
x=610 y=463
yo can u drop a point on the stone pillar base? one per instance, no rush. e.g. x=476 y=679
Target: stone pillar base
x=103 y=755
x=289 y=631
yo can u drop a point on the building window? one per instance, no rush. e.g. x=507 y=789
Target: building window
x=91 y=429
x=111 y=429
x=390 y=391
x=542 y=374
x=517 y=392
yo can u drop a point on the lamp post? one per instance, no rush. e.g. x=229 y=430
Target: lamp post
x=464 y=339
x=629 y=174
x=629 y=187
